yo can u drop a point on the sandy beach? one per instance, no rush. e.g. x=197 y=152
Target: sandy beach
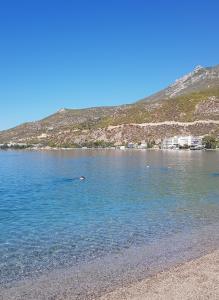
x=196 y=279
x=181 y=267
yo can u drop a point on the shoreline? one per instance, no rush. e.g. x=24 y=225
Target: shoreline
x=46 y=149
x=195 y=279
x=123 y=273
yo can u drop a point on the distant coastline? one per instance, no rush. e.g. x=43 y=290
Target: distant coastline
x=47 y=148
x=180 y=142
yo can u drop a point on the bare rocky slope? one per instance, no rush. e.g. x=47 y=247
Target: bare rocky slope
x=188 y=106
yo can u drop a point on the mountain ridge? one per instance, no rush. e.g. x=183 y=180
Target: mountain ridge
x=195 y=96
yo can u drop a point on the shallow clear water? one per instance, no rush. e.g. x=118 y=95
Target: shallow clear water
x=50 y=219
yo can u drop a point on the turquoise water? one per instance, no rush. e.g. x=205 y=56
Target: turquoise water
x=49 y=219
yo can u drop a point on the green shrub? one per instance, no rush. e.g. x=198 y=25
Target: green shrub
x=210 y=142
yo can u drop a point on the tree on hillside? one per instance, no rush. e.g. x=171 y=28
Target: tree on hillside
x=210 y=142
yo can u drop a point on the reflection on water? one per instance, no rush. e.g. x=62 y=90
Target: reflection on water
x=50 y=219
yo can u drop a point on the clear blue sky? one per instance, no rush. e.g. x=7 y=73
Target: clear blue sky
x=81 y=53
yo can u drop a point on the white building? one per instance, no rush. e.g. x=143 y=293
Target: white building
x=42 y=136
x=143 y=146
x=131 y=145
x=170 y=143
x=177 y=142
x=122 y=147
x=189 y=141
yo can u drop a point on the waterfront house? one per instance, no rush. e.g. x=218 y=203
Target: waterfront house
x=178 y=142
x=143 y=146
x=131 y=145
x=122 y=147
x=170 y=143
x=189 y=141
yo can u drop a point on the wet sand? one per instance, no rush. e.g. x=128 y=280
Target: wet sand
x=196 y=279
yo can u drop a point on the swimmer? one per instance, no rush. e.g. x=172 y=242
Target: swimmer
x=82 y=178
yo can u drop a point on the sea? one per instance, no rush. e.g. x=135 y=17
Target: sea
x=136 y=213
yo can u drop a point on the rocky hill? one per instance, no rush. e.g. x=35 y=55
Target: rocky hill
x=199 y=79
x=188 y=106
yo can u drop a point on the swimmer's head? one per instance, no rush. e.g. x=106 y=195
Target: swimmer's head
x=82 y=178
